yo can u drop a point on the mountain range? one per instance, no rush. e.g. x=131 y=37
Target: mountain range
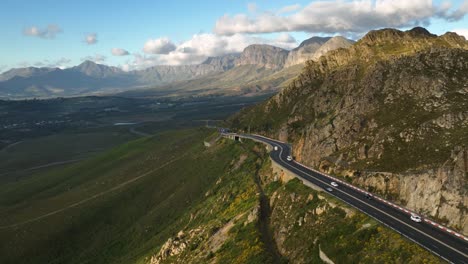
x=254 y=64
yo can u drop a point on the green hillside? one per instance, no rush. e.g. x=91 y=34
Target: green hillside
x=128 y=219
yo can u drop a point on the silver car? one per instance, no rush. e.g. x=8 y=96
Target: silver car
x=416 y=218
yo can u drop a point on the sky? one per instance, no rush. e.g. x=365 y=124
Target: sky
x=138 y=34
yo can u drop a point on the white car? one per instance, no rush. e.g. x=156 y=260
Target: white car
x=289 y=158
x=329 y=189
x=276 y=147
x=334 y=184
x=416 y=218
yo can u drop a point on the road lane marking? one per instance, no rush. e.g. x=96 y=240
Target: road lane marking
x=427 y=235
x=268 y=141
x=421 y=232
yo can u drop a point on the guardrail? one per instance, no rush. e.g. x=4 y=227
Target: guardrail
x=402 y=209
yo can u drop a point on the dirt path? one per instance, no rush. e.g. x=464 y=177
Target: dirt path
x=119 y=186
x=11 y=145
x=51 y=164
x=139 y=133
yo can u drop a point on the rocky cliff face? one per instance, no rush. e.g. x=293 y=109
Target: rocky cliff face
x=223 y=63
x=389 y=113
x=305 y=51
x=314 y=48
x=332 y=44
x=266 y=56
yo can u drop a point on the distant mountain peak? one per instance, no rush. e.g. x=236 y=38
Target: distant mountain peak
x=91 y=68
x=391 y=35
x=224 y=62
x=420 y=31
x=313 y=40
x=263 y=55
x=313 y=48
x=25 y=72
x=87 y=63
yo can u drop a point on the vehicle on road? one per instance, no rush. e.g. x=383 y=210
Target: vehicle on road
x=416 y=218
x=276 y=148
x=329 y=189
x=334 y=184
x=289 y=158
x=369 y=196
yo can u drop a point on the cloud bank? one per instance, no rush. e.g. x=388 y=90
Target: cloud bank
x=345 y=17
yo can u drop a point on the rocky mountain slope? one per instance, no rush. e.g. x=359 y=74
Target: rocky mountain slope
x=332 y=44
x=305 y=50
x=223 y=63
x=266 y=56
x=163 y=74
x=314 y=48
x=92 y=69
x=256 y=213
x=388 y=114
x=25 y=72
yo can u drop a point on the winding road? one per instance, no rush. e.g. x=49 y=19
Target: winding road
x=443 y=242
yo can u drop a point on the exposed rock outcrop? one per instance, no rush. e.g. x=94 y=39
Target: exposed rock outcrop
x=305 y=51
x=263 y=55
x=314 y=48
x=223 y=63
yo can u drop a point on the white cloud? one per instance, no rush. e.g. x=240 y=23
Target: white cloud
x=286 y=38
x=91 y=39
x=119 y=52
x=462 y=32
x=343 y=17
x=97 y=58
x=289 y=9
x=46 y=33
x=159 y=46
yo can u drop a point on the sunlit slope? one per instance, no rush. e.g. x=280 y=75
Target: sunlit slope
x=110 y=208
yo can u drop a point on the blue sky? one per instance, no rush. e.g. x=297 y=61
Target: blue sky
x=53 y=33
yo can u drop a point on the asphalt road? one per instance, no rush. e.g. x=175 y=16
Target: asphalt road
x=439 y=240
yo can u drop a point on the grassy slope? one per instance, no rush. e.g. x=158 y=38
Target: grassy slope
x=116 y=227
x=231 y=201
x=59 y=147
